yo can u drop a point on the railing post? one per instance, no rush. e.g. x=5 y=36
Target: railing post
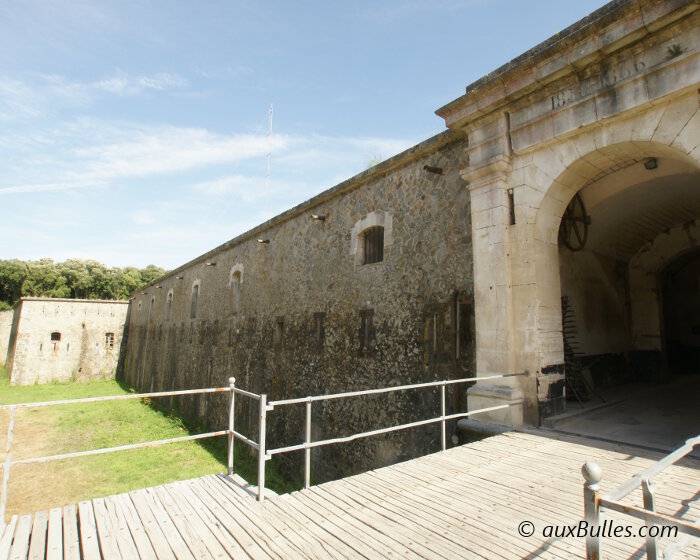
x=231 y=438
x=592 y=474
x=648 y=499
x=262 y=454
x=307 y=451
x=8 y=464
x=442 y=413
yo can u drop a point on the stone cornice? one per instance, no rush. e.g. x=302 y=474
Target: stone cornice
x=496 y=169
x=605 y=31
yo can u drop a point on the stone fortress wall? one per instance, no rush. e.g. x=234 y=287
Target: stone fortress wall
x=64 y=339
x=473 y=273
x=5 y=327
x=290 y=309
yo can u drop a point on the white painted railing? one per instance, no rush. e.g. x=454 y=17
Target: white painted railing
x=230 y=432
x=264 y=407
x=594 y=505
x=308 y=444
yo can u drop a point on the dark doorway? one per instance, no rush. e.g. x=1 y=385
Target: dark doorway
x=681 y=314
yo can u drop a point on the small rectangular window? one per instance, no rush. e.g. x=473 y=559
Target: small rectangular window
x=279 y=332
x=374 y=245
x=195 y=301
x=367 y=334
x=318 y=333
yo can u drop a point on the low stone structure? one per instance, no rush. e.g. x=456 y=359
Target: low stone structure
x=5 y=327
x=64 y=339
x=568 y=175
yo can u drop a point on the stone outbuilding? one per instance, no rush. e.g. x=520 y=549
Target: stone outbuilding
x=64 y=339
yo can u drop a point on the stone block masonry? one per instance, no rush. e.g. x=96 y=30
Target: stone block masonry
x=64 y=339
x=5 y=326
x=294 y=308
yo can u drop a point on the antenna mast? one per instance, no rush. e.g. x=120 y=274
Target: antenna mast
x=269 y=157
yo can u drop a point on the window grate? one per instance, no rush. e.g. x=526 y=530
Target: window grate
x=374 y=245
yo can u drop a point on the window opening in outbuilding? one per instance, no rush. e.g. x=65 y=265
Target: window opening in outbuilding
x=170 y=305
x=195 y=301
x=373 y=239
x=236 y=291
x=279 y=332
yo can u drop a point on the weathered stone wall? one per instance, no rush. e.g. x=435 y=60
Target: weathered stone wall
x=5 y=327
x=301 y=315
x=64 y=339
x=615 y=89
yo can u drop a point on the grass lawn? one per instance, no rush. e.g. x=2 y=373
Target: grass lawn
x=66 y=428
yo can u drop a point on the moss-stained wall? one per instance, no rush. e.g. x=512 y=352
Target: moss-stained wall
x=301 y=315
x=5 y=327
x=64 y=339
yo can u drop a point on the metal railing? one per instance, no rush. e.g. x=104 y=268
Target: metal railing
x=308 y=444
x=264 y=407
x=594 y=505
x=230 y=432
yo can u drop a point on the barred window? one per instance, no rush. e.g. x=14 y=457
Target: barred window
x=109 y=340
x=374 y=244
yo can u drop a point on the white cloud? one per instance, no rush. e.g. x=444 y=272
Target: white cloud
x=124 y=84
x=143 y=218
x=161 y=150
x=22 y=100
x=17 y=100
x=43 y=187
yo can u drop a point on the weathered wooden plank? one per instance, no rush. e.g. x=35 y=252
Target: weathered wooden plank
x=195 y=542
x=229 y=522
x=20 y=543
x=149 y=528
x=435 y=537
x=272 y=536
x=466 y=523
x=89 y=541
x=340 y=524
x=71 y=542
x=161 y=530
x=355 y=518
x=106 y=531
x=37 y=542
x=202 y=519
x=391 y=524
x=333 y=545
x=7 y=537
x=124 y=511
x=54 y=540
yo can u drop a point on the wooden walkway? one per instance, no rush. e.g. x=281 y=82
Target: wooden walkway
x=467 y=502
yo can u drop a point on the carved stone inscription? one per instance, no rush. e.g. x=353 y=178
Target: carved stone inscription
x=607 y=78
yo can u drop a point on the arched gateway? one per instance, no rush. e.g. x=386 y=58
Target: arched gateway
x=602 y=119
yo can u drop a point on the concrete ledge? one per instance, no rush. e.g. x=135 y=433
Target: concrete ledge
x=486 y=395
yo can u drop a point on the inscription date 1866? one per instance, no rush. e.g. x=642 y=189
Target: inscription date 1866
x=605 y=79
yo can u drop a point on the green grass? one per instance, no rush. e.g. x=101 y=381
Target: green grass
x=67 y=428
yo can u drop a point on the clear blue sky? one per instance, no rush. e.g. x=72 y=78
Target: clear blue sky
x=135 y=131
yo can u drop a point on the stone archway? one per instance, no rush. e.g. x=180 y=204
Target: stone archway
x=641 y=200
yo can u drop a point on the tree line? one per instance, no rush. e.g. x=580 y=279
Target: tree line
x=73 y=278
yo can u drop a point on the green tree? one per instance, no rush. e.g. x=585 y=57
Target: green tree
x=45 y=280
x=151 y=273
x=12 y=276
